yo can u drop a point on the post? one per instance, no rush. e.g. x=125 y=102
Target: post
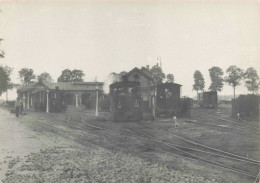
x=80 y=99
x=77 y=100
x=47 y=101
x=31 y=101
x=40 y=95
x=28 y=100
x=153 y=102
x=96 y=100
x=24 y=101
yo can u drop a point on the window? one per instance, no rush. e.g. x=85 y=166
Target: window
x=136 y=77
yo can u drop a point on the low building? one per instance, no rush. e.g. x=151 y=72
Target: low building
x=45 y=96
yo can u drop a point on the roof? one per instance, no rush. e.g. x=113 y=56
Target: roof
x=124 y=84
x=27 y=87
x=169 y=84
x=68 y=86
x=144 y=72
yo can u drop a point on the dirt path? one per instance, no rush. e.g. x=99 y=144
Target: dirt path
x=17 y=141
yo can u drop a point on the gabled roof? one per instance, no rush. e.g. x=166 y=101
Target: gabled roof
x=144 y=73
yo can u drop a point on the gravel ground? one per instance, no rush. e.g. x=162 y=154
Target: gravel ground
x=35 y=152
x=72 y=164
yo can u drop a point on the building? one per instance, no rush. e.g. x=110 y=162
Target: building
x=147 y=81
x=45 y=96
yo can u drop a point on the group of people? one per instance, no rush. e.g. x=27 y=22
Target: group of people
x=19 y=106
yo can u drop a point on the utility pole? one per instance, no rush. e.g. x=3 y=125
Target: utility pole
x=96 y=99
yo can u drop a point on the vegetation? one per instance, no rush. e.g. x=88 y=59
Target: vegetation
x=158 y=73
x=114 y=77
x=2 y=53
x=27 y=76
x=45 y=77
x=5 y=80
x=216 y=74
x=170 y=78
x=68 y=75
x=199 y=82
x=235 y=75
x=252 y=80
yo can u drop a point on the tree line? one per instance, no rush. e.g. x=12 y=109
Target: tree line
x=27 y=76
x=234 y=76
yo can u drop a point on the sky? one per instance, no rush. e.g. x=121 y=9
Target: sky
x=100 y=37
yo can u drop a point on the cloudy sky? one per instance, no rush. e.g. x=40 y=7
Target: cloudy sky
x=101 y=37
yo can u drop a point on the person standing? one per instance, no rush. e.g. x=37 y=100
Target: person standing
x=17 y=106
x=21 y=106
x=176 y=124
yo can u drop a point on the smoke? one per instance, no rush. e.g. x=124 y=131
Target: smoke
x=112 y=78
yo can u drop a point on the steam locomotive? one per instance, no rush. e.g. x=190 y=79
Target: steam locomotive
x=125 y=101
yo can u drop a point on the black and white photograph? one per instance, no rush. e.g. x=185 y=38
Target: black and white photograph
x=130 y=91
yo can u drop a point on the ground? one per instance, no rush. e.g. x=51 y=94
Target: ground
x=79 y=147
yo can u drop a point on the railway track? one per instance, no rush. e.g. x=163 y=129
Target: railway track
x=232 y=129
x=181 y=151
x=225 y=120
x=185 y=151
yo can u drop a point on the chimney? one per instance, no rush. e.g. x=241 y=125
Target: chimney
x=147 y=67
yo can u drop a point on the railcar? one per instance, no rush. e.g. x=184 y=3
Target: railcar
x=125 y=101
x=168 y=101
x=208 y=99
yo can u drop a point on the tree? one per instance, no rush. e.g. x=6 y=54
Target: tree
x=5 y=80
x=77 y=75
x=158 y=73
x=252 y=80
x=68 y=76
x=235 y=75
x=45 y=77
x=216 y=74
x=170 y=78
x=199 y=82
x=65 y=76
x=26 y=75
x=2 y=53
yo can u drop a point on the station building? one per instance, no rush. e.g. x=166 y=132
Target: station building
x=38 y=95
